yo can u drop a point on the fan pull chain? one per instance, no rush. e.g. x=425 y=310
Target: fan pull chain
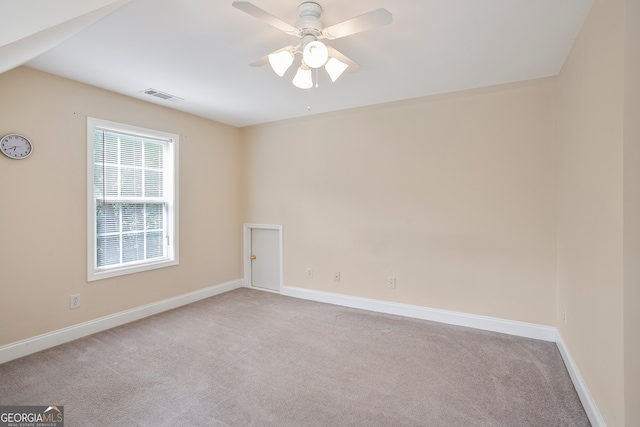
x=309 y=92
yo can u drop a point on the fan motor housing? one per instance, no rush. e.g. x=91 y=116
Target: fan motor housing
x=309 y=22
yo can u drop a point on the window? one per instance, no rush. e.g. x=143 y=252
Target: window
x=132 y=199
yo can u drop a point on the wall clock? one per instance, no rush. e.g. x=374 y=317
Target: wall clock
x=15 y=146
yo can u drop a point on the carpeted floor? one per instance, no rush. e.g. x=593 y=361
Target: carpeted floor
x=251 y=358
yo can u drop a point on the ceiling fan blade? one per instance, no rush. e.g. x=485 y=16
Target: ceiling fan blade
x=367 y=21
x=353 y=66
x=265 y=59
x=263 y=15
x=260 y=62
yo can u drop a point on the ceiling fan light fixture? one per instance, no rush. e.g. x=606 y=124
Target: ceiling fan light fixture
x=302 y=78
x=335 y=68
x=315 y=54
x=281 y=61
x=310 y=28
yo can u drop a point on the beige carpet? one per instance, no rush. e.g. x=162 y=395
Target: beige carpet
x=251 y=358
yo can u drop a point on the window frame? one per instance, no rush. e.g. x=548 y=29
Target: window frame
x=171 y=189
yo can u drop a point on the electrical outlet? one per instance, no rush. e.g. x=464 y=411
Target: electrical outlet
x=336 y=276
x=74 y=301
x=309 y=273
x=391 y=282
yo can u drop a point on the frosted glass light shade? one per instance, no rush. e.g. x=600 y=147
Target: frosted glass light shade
x=335 y=68
x=315 y=54
x=303 y=78
x=281 y=61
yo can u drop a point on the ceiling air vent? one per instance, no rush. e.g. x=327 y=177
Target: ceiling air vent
x=161 y=95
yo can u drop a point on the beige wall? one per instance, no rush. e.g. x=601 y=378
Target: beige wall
x=43 y=212
x=632 y=213
x=590 y=206
x=453 y=195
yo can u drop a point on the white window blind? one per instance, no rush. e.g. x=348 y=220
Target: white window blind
x=133 y=185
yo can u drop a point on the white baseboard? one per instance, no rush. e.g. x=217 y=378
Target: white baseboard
x=581 y=388
x=41 y=342
x=511 y=327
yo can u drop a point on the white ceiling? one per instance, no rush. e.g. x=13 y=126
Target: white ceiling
x=199 y=50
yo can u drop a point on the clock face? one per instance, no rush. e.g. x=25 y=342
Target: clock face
x=15 y=146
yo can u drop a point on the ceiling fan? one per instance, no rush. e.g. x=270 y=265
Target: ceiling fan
x=311 y=30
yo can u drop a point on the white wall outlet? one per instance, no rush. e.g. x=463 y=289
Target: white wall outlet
x=336 y=276
x=309 y=273
x=74 y=301
x=391 y=282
